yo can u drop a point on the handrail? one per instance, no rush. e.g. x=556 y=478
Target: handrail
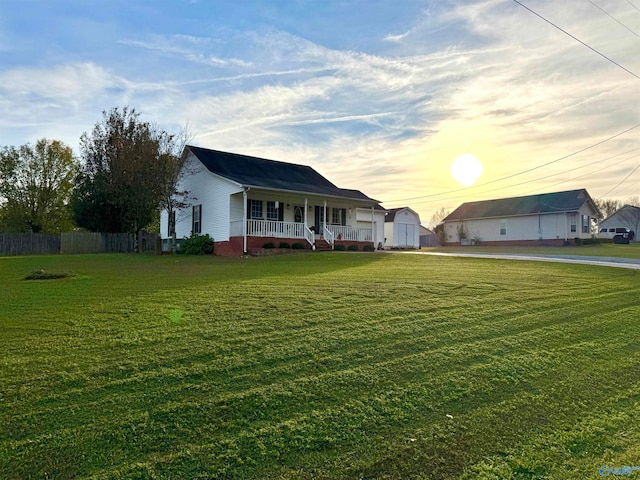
x=328 y=235
x=309 y=235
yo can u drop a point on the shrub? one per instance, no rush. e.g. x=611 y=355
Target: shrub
x=368 y=248
x=42 y=275
x=298 y=246
x=268 y=245
x=353 y=248
x=577 y=241
x=596 y=241
x=339 y=247
x=284 y=245
x=197 y=245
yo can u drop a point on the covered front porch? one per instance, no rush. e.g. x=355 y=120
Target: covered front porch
x=267 y=216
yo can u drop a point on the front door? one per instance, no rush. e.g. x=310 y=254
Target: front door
x=298 y=214
x=319 y=220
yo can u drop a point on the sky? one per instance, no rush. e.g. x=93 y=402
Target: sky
x=376 y=95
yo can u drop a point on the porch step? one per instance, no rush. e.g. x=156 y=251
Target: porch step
x=323 y=246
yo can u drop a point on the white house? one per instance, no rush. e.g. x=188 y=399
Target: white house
x=402 y=228
x=625 y=217
x=243 y=202
x=543 y=219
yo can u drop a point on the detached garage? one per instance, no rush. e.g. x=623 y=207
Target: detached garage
x=402 y=228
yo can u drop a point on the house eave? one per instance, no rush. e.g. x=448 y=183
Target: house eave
x=510 y=216
x=309 y=194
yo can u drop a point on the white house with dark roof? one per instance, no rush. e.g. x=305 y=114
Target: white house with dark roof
x=243 y=202
x=402 y=228
x=543 y=219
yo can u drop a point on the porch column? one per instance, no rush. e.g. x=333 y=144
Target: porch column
x=324 y=219
x=373 y=228
x=305 y=212
x=244 y=220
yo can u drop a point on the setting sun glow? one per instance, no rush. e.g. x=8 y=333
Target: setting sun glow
x=466 y=169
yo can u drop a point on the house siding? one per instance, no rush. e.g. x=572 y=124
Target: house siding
x=526 y=228
x=210 y=191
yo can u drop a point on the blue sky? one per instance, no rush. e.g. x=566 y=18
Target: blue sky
x=381 y=96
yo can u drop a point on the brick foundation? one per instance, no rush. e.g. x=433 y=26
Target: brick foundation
x=235 y=246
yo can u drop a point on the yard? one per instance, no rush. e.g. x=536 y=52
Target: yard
x=326 y=365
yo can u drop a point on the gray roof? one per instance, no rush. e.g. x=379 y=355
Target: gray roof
x=569 y=201
x=391 y=213
x=271 y=174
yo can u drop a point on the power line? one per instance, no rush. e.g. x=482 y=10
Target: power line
x=623 y=180
x=612 y=17
x=573 y=178
x=578 y=40
x=518 y=173
x=633 y=5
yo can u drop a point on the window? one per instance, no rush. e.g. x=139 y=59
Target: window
x=196 y=222
x=272 y=210
x=172 y=223
x=612 y=230
x=572 y=221
x=337 y=216
x=255 y=209
x=585 y=223
x=502 y=224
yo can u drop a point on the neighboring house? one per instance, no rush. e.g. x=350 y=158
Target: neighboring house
x=243 y=202
x=402 y=228
x=428 y=238
x=548 y=219
x=625 y=217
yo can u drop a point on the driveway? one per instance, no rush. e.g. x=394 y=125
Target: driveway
x=584 y=260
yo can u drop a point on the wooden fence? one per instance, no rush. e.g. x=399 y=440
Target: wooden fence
x=76 y=242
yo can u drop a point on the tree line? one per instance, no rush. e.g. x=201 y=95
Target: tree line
x=127 y=172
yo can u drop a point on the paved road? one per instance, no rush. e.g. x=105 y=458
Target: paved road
x=602 y=261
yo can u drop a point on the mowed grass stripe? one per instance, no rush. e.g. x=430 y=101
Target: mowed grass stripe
x=315 y=385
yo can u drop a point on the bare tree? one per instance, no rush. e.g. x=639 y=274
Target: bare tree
x=437 y=224
x=607 y=206
x=175 y=169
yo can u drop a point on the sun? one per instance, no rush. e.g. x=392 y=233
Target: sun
x=466 y=169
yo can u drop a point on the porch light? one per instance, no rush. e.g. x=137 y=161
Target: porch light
x=288 y=206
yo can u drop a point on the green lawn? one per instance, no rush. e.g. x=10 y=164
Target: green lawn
x=312 y=366
x=604 y=250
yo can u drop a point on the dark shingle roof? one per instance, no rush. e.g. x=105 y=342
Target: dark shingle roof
x=568 y=201
x=270 y=174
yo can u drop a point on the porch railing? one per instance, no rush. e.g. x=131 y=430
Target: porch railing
x=270 y=228
x=309 y=236
x=351 y=234
x=328 y=235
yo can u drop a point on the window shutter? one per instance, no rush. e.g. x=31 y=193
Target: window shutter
x=200 y=218
x=280 y=211
x=344 y=216
x=193 y=218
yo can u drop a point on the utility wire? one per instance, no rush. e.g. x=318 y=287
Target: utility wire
x=518 y=173
x=633 y=5
x=612 y=17
x=623 y=180
x=573 y=178
x=578 y=40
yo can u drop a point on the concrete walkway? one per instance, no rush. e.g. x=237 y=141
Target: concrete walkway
x=584 y=260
